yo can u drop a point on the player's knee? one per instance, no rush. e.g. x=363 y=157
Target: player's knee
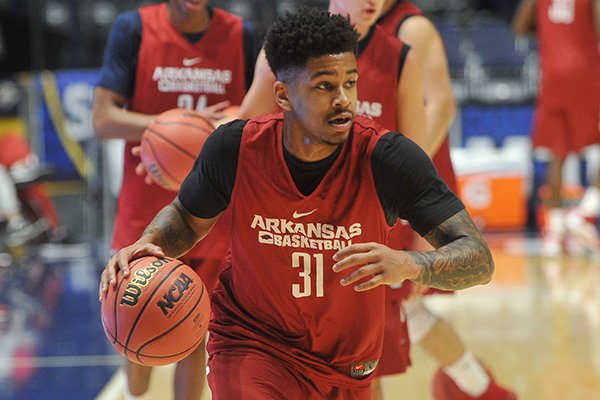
x=420 y=320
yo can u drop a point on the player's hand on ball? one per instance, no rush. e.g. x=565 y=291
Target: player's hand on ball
x=374 y=264
x=120 y=261
x=215 y=112
x=140 y=169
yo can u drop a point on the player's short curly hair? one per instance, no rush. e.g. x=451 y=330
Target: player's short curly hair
x=307 y=33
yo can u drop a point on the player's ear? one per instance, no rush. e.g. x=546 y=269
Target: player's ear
x=280 y=92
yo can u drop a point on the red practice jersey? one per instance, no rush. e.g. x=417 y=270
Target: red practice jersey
x=566 y=118
x=380 y=64
x=569 y=55
x=291 y=305
x=172 y=72
x=391 y=22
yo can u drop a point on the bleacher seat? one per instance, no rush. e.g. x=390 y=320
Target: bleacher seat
x=494 y=42
x=497 y=71
x=454 y=48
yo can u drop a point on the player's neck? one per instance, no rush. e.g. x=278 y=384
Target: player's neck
x=306 y=148
x=188 y=22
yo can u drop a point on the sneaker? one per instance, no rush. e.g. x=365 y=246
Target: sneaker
x=584 y=229
x=444 y=388
x=22 y=231
x=552 y=245
x=553 y=232
x=27 y=173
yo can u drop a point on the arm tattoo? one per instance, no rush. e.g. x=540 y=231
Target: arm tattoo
x=462 y=258
x=171 y=232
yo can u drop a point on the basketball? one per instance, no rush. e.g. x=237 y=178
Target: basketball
x=170 y=145
x=158 y=314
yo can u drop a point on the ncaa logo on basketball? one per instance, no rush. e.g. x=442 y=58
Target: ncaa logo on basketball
x=174 y=294
x=140 y=279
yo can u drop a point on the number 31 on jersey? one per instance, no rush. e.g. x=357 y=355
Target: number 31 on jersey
x=311 y=272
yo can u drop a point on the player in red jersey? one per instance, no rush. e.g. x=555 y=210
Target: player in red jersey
x=391 y=76
x=313 y=193
x=458 y=366
x=175 y=54
x=390 y=91
x=568 y=105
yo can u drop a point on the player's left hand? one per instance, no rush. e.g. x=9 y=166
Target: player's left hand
x=140 y=169
x=376 y=263
x=215 y=112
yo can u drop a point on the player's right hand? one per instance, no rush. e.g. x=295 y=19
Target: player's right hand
x=120 y=260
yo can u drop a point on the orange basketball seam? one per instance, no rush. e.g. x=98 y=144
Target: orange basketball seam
x=181 y=321
x=115 y=335
x=163 y=170
x=192 y=347
x=163 y=137
x=151 y=295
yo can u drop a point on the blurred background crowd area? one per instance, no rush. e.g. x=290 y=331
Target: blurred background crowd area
x=50 y=52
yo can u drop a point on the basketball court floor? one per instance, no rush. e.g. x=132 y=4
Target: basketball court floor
x=536 y=325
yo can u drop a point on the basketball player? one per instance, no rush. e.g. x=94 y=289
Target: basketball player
x=20 y=189
x=568 y=105
x=313 y=193
x=391 y=86
x=176 y=54
x=460 y=372
x=390 y=92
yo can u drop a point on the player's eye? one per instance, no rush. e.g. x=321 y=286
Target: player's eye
x=325 y=86
x=350 y=84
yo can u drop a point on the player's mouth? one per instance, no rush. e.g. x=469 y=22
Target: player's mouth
x=369 y=12
x=342 y=121
x=194 y=3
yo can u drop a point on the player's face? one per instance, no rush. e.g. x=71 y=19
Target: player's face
x=322 y=100
x=362 y=13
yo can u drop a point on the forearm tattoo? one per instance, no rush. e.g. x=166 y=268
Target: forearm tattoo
x=462 y=258
x=171 y=232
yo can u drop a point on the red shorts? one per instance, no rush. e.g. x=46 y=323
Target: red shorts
x=566 y=128
x=252 y=374
x=395 y=357
x=443 y=163
x=401 y=237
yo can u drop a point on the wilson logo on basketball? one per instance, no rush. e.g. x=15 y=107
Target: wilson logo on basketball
x=140 y=279
x=174 y=294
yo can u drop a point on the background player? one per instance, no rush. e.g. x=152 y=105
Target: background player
x=568 y=105
x=174 y=54
x=281 y=328
x=24 y=203
x=459 y=370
